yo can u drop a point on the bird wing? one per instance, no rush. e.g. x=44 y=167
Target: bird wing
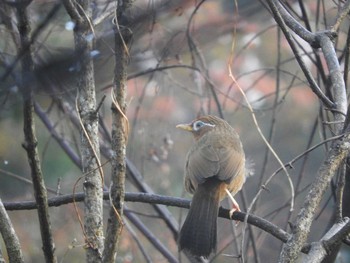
x=208 y=161
x=231 y=163
x=202 y=164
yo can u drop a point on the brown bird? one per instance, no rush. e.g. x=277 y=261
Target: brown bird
x=215 y=163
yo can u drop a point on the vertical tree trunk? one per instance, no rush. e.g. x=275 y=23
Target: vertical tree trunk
x=86 y=103
x=119 y=139
x=30 y=144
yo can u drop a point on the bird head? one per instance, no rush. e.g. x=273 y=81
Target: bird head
x=202 y=125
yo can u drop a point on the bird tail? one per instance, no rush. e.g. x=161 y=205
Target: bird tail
x=198 y=233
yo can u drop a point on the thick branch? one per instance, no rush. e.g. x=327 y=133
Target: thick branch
x=132 y=172
x=81 y=12
x=323 y=40
x=333 y=237
x=119 y=137
x=296 y=27
x=153 y=199
x=275 y=8
x=73 y=12
x=161 y=200
x=336 y=78
x=336 y=155
x=30 y=144
x=9 y=236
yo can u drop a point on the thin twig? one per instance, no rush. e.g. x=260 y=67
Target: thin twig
x=195 y=52
x=341 y=16
x=35 y=34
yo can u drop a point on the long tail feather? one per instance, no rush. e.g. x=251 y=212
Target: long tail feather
x=198 y=233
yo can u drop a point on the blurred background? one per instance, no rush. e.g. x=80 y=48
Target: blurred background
x=180 y=57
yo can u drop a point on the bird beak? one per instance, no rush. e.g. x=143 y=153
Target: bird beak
x=186 y=127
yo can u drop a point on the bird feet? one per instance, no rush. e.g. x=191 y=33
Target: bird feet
x=235 y=205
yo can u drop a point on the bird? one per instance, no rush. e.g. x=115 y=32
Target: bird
x=215 y=166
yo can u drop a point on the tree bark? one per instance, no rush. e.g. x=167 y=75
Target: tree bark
x=338 y=152
x=81 y=14
x=10 y=238
x=30 y=140
x=119 y=137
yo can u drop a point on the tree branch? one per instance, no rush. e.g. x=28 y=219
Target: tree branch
x=152 y=199
x=275 y=8
x=150 y=236
x=341 y=16
x=167 y=201
x=81 y=13
x=333 y=237
x=35 y=34
x=120 y=125
x=295 y=26
x=336 y=156
x=9 y=236
x=336 y=78
x=30 y=144
x=63 y=143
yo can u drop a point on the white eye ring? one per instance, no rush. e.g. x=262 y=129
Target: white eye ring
x=199 y=124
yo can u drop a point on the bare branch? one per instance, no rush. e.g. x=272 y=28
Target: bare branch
x=30 y=144
x=63 y=143
x=150 y=236
x=73 y=11
x=154 y=199
x=81 y=13
x=336 y=78
x=35 y=34
x=338 y=152
x=120 y=128
x=161 y=200
x=151 y=70
x=334 y=236
x=9 y=236
x=275 y=7
x=341 y=16
x=196 y=53
x=294 y=25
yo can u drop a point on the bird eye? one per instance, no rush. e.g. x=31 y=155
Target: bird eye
x=197 y=125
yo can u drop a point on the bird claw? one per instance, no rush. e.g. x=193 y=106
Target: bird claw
x=231 y=212
x=235 y=205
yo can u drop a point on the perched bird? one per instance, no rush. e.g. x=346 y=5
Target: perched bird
x=215 y=165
